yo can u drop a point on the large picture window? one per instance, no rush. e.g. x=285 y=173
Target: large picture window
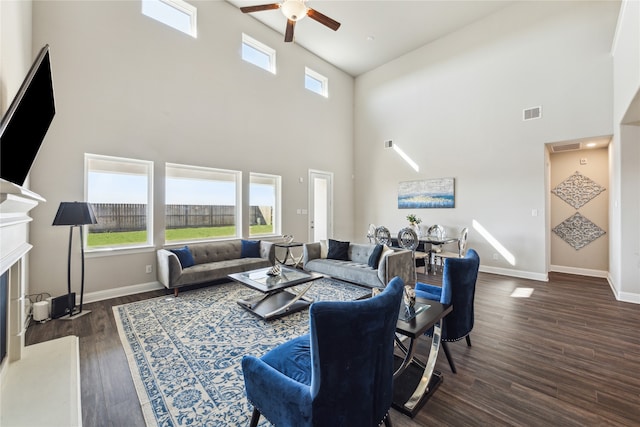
x=201 y=203
x=120 y=192
x=264 y=204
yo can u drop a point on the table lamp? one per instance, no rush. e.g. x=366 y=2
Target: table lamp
x=75 y=214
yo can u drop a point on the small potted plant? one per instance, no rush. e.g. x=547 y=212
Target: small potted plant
x=414 y=222
x=413 y=219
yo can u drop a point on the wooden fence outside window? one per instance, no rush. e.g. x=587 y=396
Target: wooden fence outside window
x=117 y=217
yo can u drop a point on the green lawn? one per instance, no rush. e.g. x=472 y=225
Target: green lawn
x=181 y=234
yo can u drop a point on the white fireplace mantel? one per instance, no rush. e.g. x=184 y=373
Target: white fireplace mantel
x=15 y=204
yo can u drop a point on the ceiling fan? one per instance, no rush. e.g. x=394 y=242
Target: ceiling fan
x=294 y=10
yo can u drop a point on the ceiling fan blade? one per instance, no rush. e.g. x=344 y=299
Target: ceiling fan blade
x=249 y=9
x=288 y=34
x=323 y=19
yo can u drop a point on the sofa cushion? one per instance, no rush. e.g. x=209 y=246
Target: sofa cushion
x=184 y=256
x=374 y=258
x=348 y=271
x=338 y=250
x=250 y=249
x=202 y=273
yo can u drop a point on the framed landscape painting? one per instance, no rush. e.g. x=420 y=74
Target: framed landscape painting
x=427 y=193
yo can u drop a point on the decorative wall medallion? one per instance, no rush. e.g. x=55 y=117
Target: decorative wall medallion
x=578 y=231
x=577 y=190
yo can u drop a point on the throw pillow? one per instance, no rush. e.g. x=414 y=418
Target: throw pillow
x=386 y=250
x=184 y=256
x=338 y=250
x=375 y=256
x=250 y=249
x=323 y=249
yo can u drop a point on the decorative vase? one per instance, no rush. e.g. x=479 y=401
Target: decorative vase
x=409 y=297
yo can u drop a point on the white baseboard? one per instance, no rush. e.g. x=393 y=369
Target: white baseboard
x=623 y=296
x=515 y=273
x=120 y=292
x=579 y=271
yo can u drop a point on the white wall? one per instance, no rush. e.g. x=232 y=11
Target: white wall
x=15 y=48
x=455 y=106
x=625 y=156
x=129 y=86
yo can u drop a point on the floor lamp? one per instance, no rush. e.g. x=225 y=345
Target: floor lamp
x=75 y=214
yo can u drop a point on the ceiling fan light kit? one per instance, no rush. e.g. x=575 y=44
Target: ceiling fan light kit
x=294 y=10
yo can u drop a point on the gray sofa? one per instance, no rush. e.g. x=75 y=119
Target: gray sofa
x=392 y=263
x=213 y=261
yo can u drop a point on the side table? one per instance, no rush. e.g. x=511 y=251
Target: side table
x=414 y=381
x=288 y=254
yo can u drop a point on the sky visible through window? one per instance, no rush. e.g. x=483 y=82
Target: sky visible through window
x=125 y=188
x=167 y=14
x=256 y=57
x=312 y=84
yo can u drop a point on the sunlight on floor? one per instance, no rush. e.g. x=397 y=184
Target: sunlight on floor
x=522 y=293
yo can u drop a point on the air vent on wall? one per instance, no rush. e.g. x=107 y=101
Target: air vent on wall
x=566 y=147
x=532 y=113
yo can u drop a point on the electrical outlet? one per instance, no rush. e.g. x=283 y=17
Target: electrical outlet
x=148 y=268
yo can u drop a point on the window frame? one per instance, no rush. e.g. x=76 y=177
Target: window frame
x=323 y=80
x=237 y=179
x=181 y=6
x=262 y=48
x=149 y=166
x=277 y=214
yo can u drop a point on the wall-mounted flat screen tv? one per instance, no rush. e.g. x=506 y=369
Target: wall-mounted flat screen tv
x=27 y=120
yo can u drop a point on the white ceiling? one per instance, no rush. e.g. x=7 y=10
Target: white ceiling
x=374 y=32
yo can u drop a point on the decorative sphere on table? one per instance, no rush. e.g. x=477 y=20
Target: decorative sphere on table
x=288 y=238
x=274 y=271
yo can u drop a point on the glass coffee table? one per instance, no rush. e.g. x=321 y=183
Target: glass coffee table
x=276 y=298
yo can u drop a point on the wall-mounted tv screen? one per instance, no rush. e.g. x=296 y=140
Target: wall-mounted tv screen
x=27 y=120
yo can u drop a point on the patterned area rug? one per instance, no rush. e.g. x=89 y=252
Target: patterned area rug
x=185 y=353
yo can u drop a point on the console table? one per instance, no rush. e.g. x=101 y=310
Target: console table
x=413 y=380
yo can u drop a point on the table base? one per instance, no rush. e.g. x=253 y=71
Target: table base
x=273 y=306
x=406 y=384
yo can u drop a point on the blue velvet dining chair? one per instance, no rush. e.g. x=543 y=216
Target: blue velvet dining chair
x=458 y=288
x=340 y=374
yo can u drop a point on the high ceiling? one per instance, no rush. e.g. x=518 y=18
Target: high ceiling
x=374 y=32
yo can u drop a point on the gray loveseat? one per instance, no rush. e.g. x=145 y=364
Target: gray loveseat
x=213 y=261
x=356 y=270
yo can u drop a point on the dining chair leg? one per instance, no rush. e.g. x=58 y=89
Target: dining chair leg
x=468 y=340
x=447 y=353
x=255 y=417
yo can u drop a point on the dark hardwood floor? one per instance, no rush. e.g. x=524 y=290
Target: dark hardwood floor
x=569 y=354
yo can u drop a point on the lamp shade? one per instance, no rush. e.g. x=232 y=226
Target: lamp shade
x=75 y=213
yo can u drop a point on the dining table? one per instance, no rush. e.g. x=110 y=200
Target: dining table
x=429 y=245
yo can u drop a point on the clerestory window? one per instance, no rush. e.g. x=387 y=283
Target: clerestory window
x=177 y=14
x=316 y=82
x=258 y=54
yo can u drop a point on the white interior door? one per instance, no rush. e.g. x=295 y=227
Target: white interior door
x=320 y=205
